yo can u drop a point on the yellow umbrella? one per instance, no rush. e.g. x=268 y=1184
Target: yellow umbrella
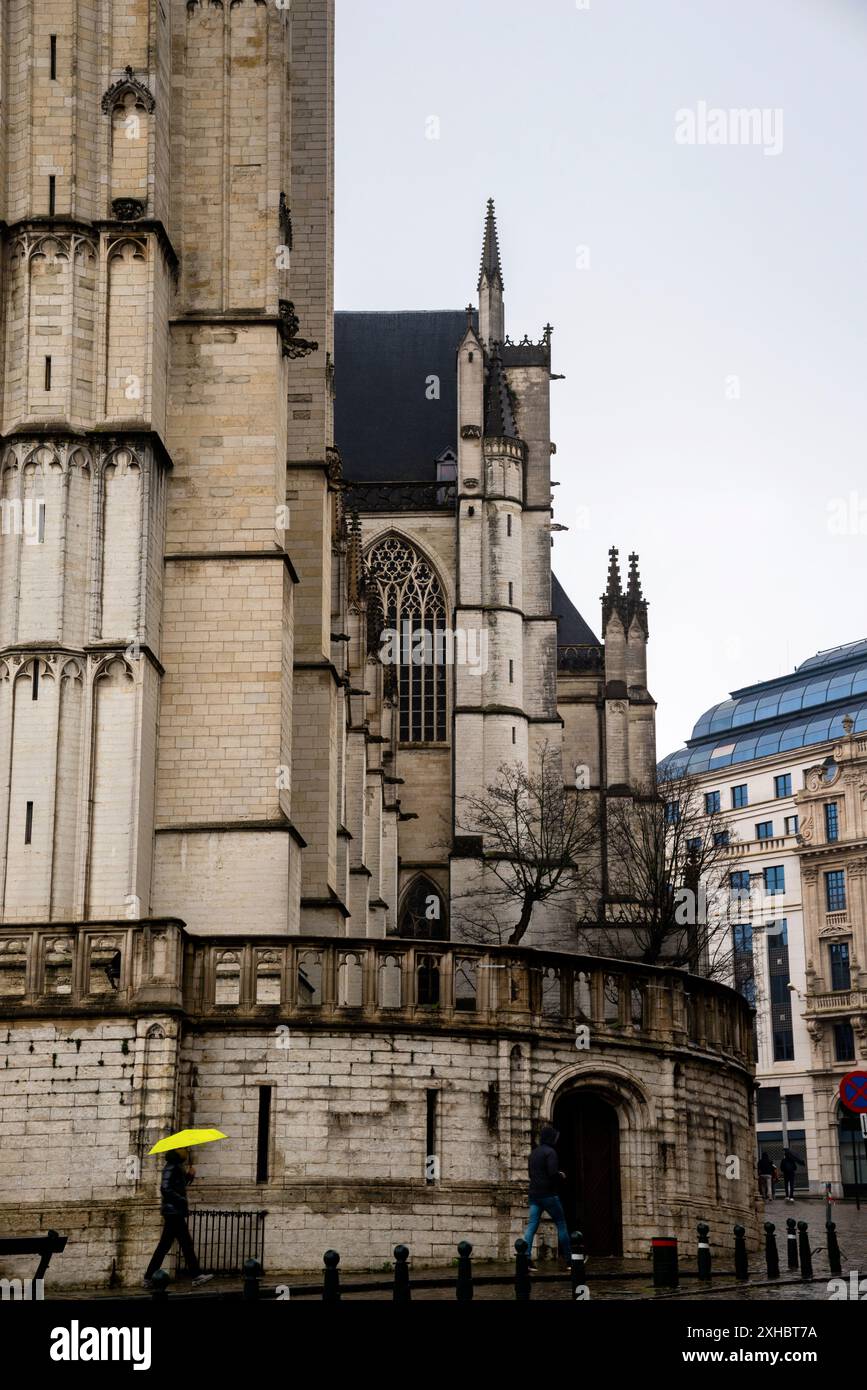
x=187 y=1139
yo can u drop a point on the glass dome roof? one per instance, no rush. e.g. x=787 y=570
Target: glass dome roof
x=807 y=707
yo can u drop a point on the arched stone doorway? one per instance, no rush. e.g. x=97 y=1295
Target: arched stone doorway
x=589 y=1151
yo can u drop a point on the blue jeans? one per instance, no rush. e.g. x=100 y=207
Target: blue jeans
x=554 y=1208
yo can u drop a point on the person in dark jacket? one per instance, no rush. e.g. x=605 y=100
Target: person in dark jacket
x=789 y=1165
x=766 y=1177
x=544 y=1169
x=175 y=1209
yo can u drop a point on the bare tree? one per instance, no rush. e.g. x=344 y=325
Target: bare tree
x=539 y=841
x=670 y=862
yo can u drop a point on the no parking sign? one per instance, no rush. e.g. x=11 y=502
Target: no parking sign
x=853 y=1093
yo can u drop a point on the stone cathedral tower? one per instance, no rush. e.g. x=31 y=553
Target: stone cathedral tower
x=221 y=812
x=165 y=426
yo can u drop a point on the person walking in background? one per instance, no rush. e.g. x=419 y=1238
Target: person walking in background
x=175 y=1209
x=766 y=1177
x=789 y=1165
x=544 y=1170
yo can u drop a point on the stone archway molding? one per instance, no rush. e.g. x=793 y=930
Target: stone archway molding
x=608 y=1079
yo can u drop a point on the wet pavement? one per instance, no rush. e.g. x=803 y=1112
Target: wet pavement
x=606 y=1278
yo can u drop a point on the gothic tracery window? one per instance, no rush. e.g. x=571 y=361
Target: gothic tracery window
x=423 y=914
x=407 y=630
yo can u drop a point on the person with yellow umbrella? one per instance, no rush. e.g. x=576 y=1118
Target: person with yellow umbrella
x=173 y=1200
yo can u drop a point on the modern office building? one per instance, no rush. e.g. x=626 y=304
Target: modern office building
x=787 y=760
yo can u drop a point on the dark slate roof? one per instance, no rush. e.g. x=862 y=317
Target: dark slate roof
x=385 y=427
x=571 y=627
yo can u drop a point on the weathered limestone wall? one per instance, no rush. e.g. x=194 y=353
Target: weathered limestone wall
x=348 y=1141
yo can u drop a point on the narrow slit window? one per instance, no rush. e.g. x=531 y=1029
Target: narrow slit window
x=40 y=524
x=514 y=734
x=511 y=595
x=263 y=1143
x=511 y=673
x=509 y=524
x=28 y=824
x=52 y=194
x=36 y=680
x=53 y=46
x=48 y=373
x=432 y=1160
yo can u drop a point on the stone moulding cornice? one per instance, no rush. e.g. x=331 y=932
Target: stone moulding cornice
x=206 y=556
x=60 y=226
x=231 y=827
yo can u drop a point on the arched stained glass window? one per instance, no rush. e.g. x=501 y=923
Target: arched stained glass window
x=407 y=628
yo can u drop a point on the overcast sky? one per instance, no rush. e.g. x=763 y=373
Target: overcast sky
x=709 y=299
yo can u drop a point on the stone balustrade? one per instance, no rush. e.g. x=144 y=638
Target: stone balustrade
x=317 y=982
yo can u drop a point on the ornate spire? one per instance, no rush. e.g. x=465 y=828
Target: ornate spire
x=636 y=602
x=613 y=600
x=491 y=269
x=499 y=415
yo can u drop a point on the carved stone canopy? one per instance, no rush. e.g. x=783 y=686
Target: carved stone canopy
x=471 y=432
x=128 y=84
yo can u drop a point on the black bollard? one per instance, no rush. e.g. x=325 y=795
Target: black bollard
x=402 y=1290
x=792 y=1242
x=160 y=1286
x=772 y=1258
x=522 y=1272
x=665 y=1270
x=331 y=1281
x=464 y=1289
x=579 y=1270
x=833 y=1249
x=705 y=1258
x=252 y=1271
x=805 y=1252
x=742 y=1264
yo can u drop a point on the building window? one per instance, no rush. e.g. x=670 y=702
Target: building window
x=795 y=1107
x=744 y=961
x=509 y=524
x=841 y=975
x=765 y=830
x=722 y=838
x=835 y=890
x=781 y=996
x=694 y=844
x=739 y=883
x=406 y=630
x=48 y=373
x=832 y=821
x=52 y=194
x=768 y=1104
x=712 y=803
x=431 y=1159
x=740 y=797
x=511 y=673
x=263 y=1143
x=783 y=785
x=53 y=56
x=514 y=734
x=28 y=824
x=844 y=1042
x=775 y=879
x=672 y=813
x=423 y=915
x=511 y=595
x=793 y=825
